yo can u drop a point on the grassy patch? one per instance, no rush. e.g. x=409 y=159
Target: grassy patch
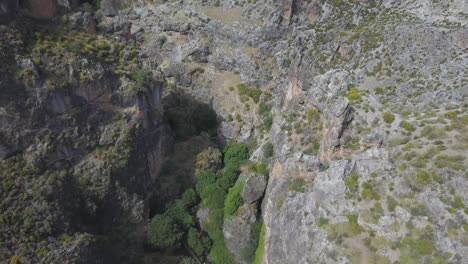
x=352 y=182
x=248 y=92
x=297 y=185
x=233 y=200
x=260 y=252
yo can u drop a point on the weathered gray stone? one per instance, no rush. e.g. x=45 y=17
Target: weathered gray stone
x=254 y=188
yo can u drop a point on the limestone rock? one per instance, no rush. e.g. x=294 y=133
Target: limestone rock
x=254 y=188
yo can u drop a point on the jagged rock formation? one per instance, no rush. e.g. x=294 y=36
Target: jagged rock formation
x=364 y=103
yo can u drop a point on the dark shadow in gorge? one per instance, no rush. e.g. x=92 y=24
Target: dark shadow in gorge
x=195 y=128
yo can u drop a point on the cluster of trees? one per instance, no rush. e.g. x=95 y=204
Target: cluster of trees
x=176 y=226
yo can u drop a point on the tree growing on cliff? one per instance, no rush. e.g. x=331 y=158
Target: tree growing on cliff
x=164 y=233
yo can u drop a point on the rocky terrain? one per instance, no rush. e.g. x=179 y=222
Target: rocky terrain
x=119 y=117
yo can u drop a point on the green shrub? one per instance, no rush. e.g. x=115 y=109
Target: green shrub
x=250 y=92
x=233 y=200
x=407 y=126
x=204 y=179
x=297 y=185
x=235 y=154
x=458 y=202
x=179 y=214
x=423 y=247
x=143 y=79
x=213 y=196
x=268 y=122
x=368 y=192
x=453 y=162
x=261 y=169
x=423 y=177
x=199 y=242
x=354 y=95
x=313 y=116
x=388 y=117
x=268 y=150
x=379 y=90
x=221 y=254
x=354 y=226
x=164 y=233
x=190 y=198
x=264 y=109
x=352 y=182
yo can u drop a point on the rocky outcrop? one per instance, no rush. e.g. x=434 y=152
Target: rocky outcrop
x=238 y=230
x=328 y=93
x=95 y=148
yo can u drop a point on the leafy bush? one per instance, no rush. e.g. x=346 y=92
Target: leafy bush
x=143 y=79
x=423 y=177
x=250 y=92
x=204 y=179
x=268 y=122
x=423 y=247
x=179 y=214
x=264 y=109
x=313 y=116
x=221 y=254
x=189 y=198
x=407 y=126
x=458 y=202
x=453 y=162
x=368 y=192
x=353 y=222
x=213 y=196
x=268 y=150
x=233 y=200
x=164 y=233
x=388 y=117
x=199 y=242
x=235 y=154
x=297 y=185
x=354 y=95
x=352 y=182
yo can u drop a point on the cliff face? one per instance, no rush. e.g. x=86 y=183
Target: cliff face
x=364 y=103
x=81 y=143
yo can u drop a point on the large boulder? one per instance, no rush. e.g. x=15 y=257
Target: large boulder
x=254 y=188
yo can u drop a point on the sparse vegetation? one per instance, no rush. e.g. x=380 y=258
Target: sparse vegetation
x=352 y=182
x=245 y=92
x=297 y=185
x=388 y=117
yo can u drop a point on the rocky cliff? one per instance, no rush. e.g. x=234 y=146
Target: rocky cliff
x=357 y=108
